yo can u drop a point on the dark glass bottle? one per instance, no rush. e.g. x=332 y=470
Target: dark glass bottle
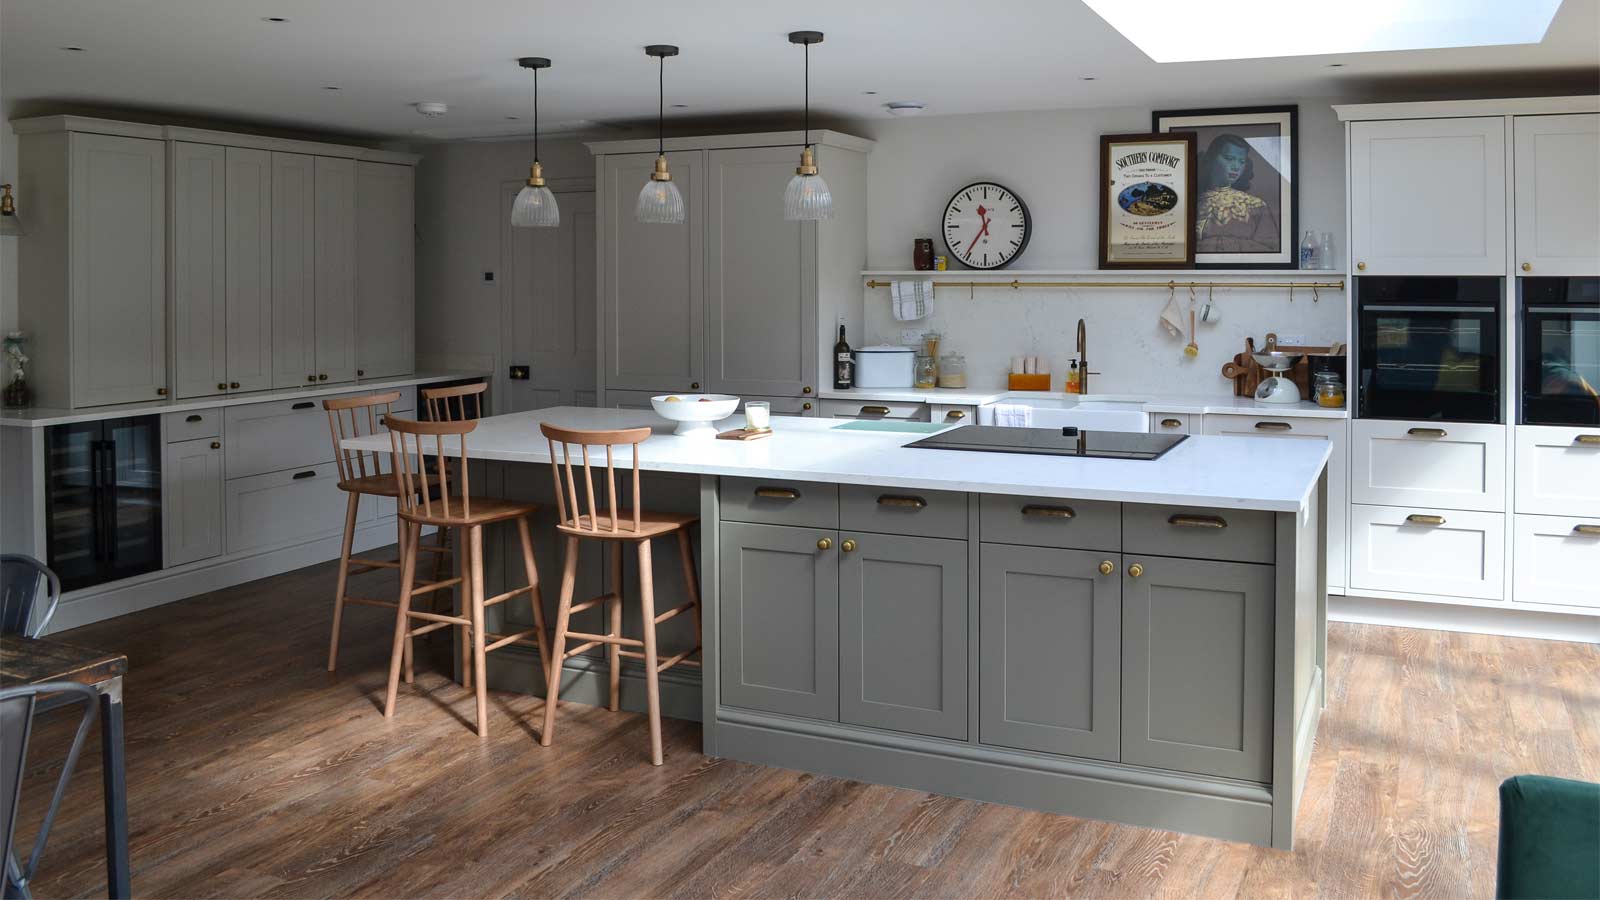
x=844 y=364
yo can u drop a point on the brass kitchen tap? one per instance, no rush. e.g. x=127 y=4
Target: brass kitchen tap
x=1083 y=359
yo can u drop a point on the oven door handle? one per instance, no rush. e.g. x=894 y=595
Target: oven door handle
x=1487 y=309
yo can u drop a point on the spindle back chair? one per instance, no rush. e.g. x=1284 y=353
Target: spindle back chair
x=353 y=417
x=451 y=404
x=569 y=506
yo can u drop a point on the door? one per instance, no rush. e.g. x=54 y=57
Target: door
x=780 y=619
x=1421 y=550
x=335 y=267
x=547 y=298
x=103 y=500
x=1197 y=642
x=294 y=253
x=249 y=243
x=1556 y=561
x=1049 y=654
x=118 y=266
x=761 y=278
x=1428 y=197
x=386 y=247
x=199 y=270
x=192 y=502
x=652 y=279
x=1557 y=194
x=903 y=633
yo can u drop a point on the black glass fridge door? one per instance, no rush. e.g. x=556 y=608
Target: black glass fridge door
x=103 y=500
x=1561 y=351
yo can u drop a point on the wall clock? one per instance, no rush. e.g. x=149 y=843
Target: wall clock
x=986 y=226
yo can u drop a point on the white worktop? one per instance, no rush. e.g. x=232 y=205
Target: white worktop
x=40 y=417
x=1229 y=472
x=1226 y=406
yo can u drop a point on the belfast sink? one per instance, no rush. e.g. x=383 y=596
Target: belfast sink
x=1090 y=415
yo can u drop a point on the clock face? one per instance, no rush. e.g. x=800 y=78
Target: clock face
x=986 y=226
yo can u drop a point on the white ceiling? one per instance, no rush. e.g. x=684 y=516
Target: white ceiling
x=218 y=58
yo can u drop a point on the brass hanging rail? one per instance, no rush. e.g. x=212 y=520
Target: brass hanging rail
x=1015 y=284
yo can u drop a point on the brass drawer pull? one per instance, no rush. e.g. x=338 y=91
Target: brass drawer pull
x=955 y=415
x=1048 y=512
x=778 y=493
x=1419 y=519
x=194 y=418
x=306 y=474
x=1177 y=423
x=1274 y=426
x=1586 y=529
x=907 y=502
x=1587 y=439
x=874 y=410
x=1198 y=521
x=303 y=404
x=1427 y=432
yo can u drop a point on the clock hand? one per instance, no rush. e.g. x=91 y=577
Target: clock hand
x=982 y=215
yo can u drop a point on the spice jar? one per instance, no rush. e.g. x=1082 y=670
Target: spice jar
x=1328 y=388
x=926 y=372
x=952 y=371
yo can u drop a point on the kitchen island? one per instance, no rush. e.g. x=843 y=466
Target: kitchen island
x=1140 y=641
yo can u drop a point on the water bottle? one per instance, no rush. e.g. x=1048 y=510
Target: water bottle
x=1308 y=251
x=1325 y=251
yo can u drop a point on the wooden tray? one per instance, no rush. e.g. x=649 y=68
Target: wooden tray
x=743 y=434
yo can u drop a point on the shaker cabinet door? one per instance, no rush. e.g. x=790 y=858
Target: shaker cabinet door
x=199 y=269
x=335 y=268
x=294 y=253
x=249 y=251
x=192 y=500
x=385 y=270
x=1557 y=194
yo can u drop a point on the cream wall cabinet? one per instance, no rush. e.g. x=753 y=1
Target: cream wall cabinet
x=335 y=229
x=1556 y=160
x=386 y=248
x=294 y=254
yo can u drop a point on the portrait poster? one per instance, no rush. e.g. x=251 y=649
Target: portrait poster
x=1147 y=201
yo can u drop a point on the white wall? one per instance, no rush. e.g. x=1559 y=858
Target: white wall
x=1051 y=159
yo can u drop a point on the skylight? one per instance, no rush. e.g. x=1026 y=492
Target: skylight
x=1190 y=31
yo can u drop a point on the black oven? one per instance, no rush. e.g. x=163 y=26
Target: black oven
x=1560 y=351
x=1428 y=348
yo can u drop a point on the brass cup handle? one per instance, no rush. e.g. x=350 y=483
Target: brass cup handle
x=1587 y=439
x=874 y=411
x=1427 y=432
x=1274 y=426
x=1198 y=521
x=902 y=501
x=1593 y=530
x=1176 y=423
x=848 y=546
x=1048 y=512
x=824 y=543
x=195 y=417
x=1135 y=570
x=1419 y=519
x=955 y=415
x=1106 y=568
x=779 y=493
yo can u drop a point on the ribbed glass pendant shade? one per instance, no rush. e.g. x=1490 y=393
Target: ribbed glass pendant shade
x=660 y=204
x=807 y=199
x=535 y=207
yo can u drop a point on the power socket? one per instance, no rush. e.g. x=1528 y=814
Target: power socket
x=1291 y=340
x=910 y=336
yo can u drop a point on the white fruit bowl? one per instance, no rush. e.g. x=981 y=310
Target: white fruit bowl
x=694 y=413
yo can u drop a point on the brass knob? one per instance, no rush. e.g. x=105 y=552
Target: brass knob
x=1135 y=570
x=222 y=385
x=322 y=377
x=233 y=385
x=1527 y=267
x=824 y=543
x=1361 y=266
x=311 y=379
x=806 y=405
x=361 y=373
x=806 y=389
x=161 y=392
x=694 y=386
x=216 y=445
x=1106 y=568
x=848 y=546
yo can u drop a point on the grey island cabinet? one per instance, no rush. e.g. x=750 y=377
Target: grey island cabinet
x=1135 y=641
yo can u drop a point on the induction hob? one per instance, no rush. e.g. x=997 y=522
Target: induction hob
x=1053 y=442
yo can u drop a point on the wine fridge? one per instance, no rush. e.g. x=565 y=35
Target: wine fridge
x=103 y=499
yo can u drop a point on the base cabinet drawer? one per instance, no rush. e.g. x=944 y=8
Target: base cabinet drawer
x=1050 y=638
x=288 y=434
x=1557 y=561
x=1201 y=533
x=953 y=414
x=288 y=507
x=772 y=501
x=875 y=409
x=903 y=633
x=903 y=511
x=784 y=406
x=191 y=501
x=1197 y=666
x=1047 y=522
x=191 y=426
x=1558 y=470
x=1436 y=464
x=779 y=619
x=1448 y=552
x=1172 y=423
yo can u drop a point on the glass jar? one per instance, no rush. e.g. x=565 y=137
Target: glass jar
x=952 y=371
x=926 y=372
x=1328 y=389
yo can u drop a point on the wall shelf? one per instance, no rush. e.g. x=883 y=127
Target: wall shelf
x=1015 y=279
x=1004 y=275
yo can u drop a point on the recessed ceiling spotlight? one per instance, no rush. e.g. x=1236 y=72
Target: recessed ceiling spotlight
x=511 y=118
x=433 y=109
x=330 y=87
x=1335 y=65
x=1085 y=77
x=869 y=93
x=680 y=106
x=273 y=19
x=904 y=108
x=74 y=49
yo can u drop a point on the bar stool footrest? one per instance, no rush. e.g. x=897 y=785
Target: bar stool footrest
x=501 y=598
x=592 y=602
x=683 y=607
x=371 y=564
x=501 y=640
x=371 y=601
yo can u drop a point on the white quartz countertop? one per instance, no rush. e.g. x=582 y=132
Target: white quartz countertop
x=40 y=417
x=1153 y=403
x=1229 y=472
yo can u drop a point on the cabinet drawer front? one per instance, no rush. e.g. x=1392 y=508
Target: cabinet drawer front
x=289 y=507
x=287 y=434
x=785 y=406
x=1558 y=470
x=1047 y=522
x=777 y=502
x=953 y=414
x=903 y=634
x=1172 y=423
x=874 y=409
x=1198 y=533
x=1448 y=552
x=896 y=511
x=1050 y=632
x=1556 y=560
x=1273 y=426
x=1445 y=464
x=188 y=426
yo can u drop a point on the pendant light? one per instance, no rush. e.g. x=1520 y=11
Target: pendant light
x=659 y=201
x=535 y=206
x=807 y=197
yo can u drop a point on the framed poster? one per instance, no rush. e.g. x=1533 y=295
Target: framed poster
x=1147 y=201
x=1247 y=201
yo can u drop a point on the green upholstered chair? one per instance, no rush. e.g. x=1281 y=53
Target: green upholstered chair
x=1549 y=838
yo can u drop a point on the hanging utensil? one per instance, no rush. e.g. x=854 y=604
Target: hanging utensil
x=1193 y=349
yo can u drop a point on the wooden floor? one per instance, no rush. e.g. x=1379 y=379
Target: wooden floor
x=253 y=772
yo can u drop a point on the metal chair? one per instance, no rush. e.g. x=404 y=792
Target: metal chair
x=20 y=576
x=16 y=726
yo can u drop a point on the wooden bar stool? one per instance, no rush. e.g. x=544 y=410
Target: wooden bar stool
x=361 y=474
x=436 y=505
x=456 y=403
x=630 y=525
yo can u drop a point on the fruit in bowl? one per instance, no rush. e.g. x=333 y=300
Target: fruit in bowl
x=695 y=413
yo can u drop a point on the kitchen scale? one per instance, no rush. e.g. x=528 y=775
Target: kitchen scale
x=1277 y=387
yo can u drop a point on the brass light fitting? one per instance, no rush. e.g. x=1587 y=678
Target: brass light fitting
x=661 y=173
x=808 y=162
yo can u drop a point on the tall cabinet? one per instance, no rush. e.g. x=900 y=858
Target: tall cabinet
x=732 y=300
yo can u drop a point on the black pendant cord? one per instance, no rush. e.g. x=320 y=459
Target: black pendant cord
x=808 y=95
x=661 y=106
x=535 y=115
